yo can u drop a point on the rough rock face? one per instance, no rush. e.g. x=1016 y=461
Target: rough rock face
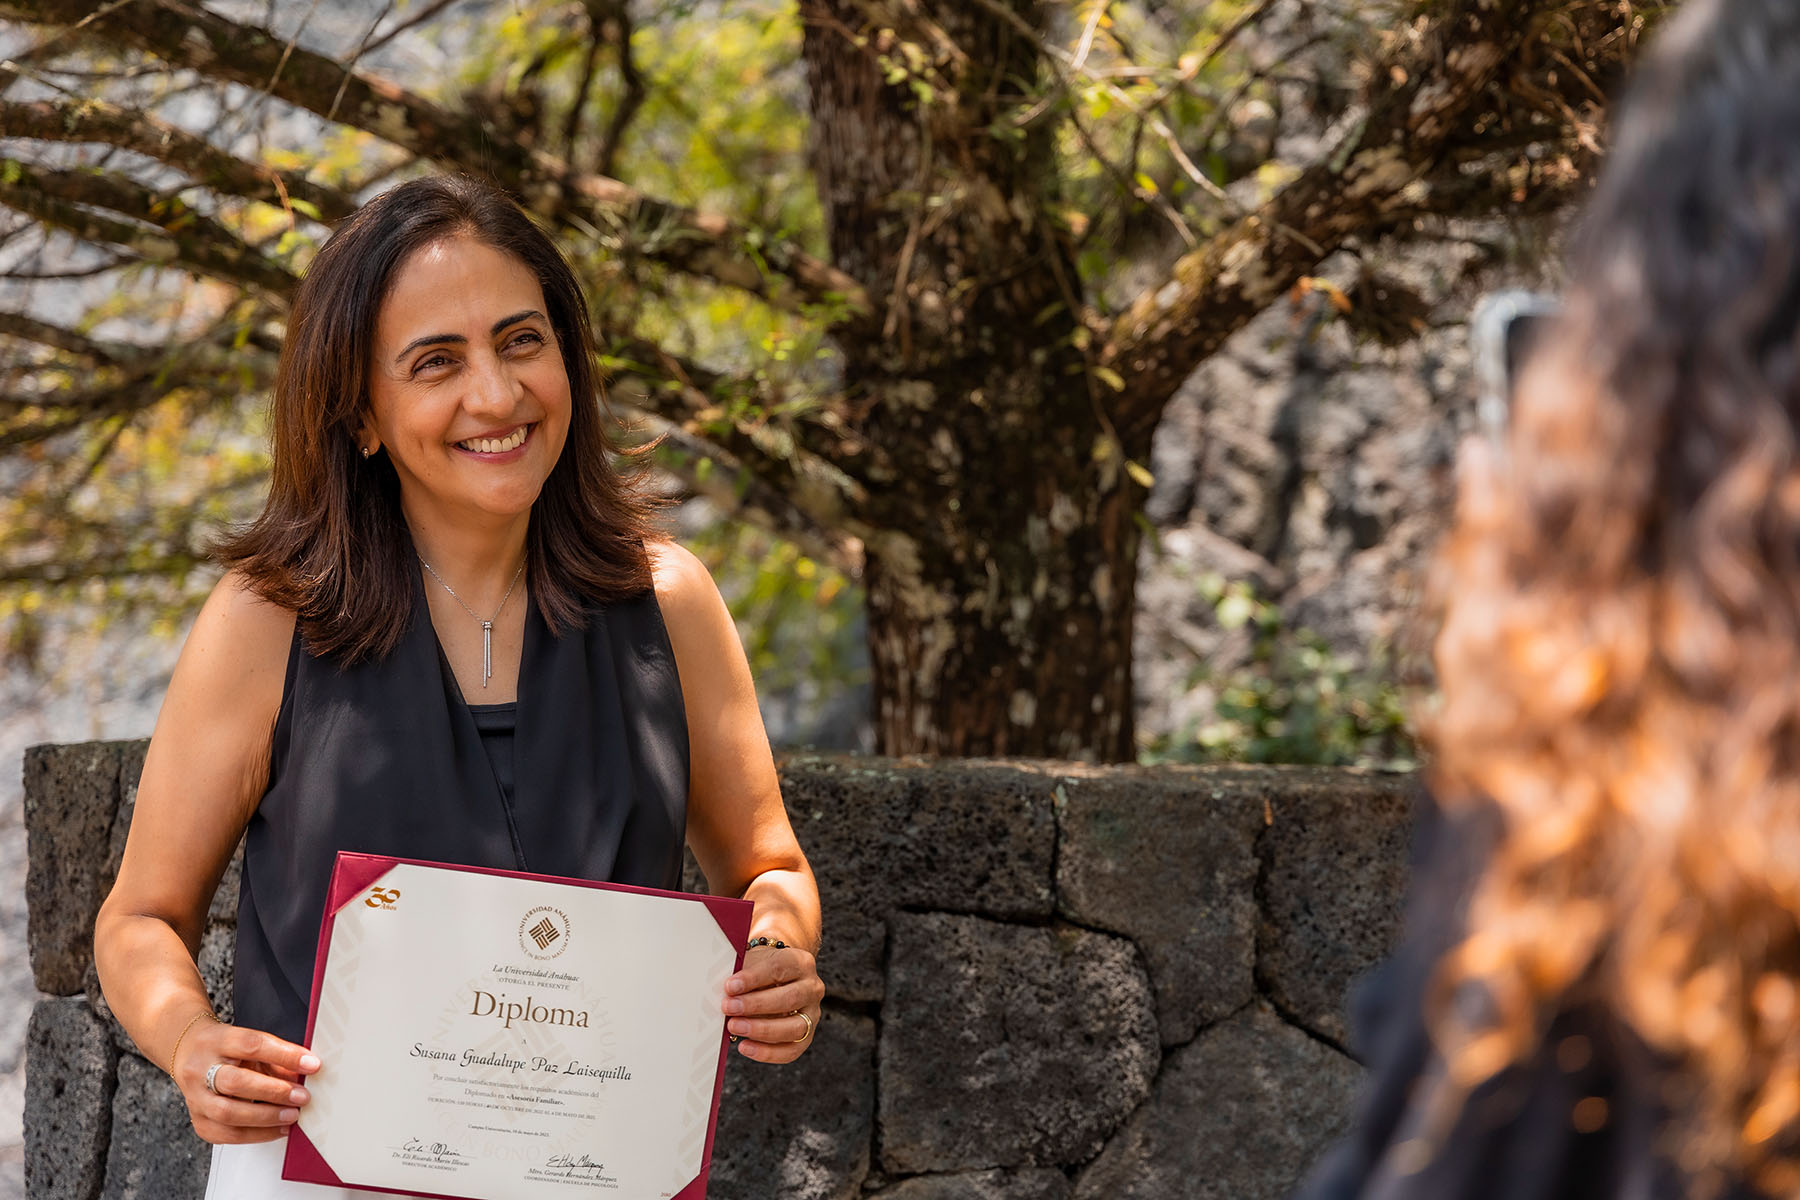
x=1006 y=1044
x=1226 y=1121
x=1333 y=876
x=155 y=1152
x=803 y=1130
x=70 y=1068
x=1317 y=465
x=882 y=840
x=71 y=799
x=1183 y=890
x=1039 y=1183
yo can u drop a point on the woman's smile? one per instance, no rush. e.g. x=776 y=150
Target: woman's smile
x=497 y=446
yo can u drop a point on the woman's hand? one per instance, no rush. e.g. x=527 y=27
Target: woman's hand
x=256 y=1094
x=772 y=1005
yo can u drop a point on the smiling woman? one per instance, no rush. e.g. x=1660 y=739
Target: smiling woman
x=453 y=634
x=472 y=409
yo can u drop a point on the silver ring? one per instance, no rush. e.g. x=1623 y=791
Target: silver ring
x=211 y=1073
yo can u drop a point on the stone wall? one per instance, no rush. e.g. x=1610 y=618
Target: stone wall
x=1047 y=982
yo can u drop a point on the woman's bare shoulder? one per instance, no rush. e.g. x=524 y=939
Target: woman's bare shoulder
x=238 y=619
x=700 y=627
x=680 y=578
x=239 y=645
x=210 y=751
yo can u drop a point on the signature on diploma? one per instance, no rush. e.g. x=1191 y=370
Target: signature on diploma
x=437 y=1151
x=571 y=1164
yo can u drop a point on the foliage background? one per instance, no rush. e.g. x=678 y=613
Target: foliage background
x=1164 y=129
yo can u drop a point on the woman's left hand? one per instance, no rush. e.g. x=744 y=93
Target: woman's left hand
x=772 y=1005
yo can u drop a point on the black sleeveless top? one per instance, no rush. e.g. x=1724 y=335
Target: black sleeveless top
x=386 y=758
x=496 y=724
x=1583 y=1116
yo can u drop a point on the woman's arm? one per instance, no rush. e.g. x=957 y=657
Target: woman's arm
x=206 y=767
x=737 y=826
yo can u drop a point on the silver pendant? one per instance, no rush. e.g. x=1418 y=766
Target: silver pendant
x=487 y=652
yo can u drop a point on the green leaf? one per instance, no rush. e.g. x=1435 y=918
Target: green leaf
x=1235 y=610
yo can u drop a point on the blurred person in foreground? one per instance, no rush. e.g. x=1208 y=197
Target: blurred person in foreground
x=1597 y=996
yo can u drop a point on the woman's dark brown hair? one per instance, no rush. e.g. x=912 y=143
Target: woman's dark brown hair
x=331 y=543
x=1620 y=653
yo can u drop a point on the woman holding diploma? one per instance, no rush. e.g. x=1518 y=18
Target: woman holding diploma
x=451 y=635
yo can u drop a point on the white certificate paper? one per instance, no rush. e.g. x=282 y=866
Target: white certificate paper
x=489 y=1035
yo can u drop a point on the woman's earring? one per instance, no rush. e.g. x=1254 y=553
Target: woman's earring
x=368 y=451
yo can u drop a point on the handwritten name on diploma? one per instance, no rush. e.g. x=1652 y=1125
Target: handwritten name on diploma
x=537 y=1063
x=441 y=1151
x=571 y=1163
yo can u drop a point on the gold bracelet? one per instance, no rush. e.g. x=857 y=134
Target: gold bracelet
x=198 y=1017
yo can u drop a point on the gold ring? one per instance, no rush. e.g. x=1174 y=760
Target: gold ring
x=809 y=1027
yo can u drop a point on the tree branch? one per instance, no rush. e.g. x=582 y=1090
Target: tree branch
x=737 y=492
x=225 y=361
x=111 y=264
x=18 y=325
x=77 y=409
x=699 y=393
x=800 y=461
x=1364 y=183
x=161 y=231
x=95 y=120
x=123 y=566
x=609 y=21
x=697 y=243
x=412 y=22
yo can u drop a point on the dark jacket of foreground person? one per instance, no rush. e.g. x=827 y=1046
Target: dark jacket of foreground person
x=1582 y=1119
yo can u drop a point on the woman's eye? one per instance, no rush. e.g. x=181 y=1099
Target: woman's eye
x=528 y=338
x=436 y=360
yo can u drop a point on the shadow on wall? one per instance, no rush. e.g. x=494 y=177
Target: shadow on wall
x=1048 y=982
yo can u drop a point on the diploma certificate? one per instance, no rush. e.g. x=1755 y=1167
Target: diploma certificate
x=491 y=1035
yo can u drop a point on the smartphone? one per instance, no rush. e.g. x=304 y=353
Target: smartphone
x=1503 y=330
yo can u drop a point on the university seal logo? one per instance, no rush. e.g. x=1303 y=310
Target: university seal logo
x=544 y=932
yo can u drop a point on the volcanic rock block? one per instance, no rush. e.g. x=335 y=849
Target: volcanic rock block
x=1007 y=1045
x=1167 y=859
x=1029 y=1183
x=884 y=835
x=71 y=796
x=1240 y=1113
x=1332 y=892
x=70 y=1068
x=155 y=1153
x=799 y=1131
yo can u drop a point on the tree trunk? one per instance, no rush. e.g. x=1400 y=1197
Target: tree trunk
x=1001 y=568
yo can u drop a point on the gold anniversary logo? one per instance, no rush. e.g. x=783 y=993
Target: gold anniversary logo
x=544 y=932
x=382 y=897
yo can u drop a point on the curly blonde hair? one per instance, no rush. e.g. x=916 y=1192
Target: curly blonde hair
x=1619 y=654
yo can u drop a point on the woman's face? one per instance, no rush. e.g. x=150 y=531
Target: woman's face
x=467 y=395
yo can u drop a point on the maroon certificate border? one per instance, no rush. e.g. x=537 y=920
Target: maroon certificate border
x=353 y=874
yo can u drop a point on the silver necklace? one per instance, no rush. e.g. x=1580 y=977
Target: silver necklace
x=487 y=626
